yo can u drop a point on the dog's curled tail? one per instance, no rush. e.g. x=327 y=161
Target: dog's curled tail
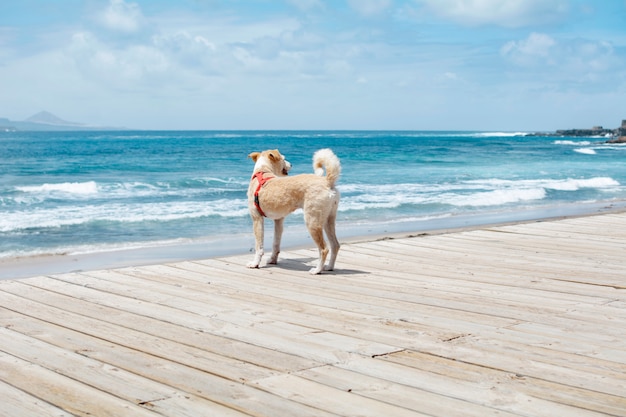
x=325 y=158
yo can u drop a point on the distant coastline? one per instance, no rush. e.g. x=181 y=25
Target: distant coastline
x=45 y=122
x=617 y=135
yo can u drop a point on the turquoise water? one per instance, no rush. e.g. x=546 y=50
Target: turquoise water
x=85 y=192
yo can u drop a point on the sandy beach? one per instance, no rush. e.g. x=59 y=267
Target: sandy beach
x=523 y=318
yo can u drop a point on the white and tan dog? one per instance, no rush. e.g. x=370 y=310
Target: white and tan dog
x=274 y=195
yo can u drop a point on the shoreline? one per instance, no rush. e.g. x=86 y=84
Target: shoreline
x=294 y=237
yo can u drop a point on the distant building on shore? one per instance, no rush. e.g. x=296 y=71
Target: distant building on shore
x=619 y=136
x=594 y=131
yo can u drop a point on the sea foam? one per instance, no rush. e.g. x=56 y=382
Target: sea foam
x=572 y=142
x=120 y=213
x=83 y=188
x=586 y=151
x=473 y=193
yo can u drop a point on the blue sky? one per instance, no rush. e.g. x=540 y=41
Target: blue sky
x=513 y=65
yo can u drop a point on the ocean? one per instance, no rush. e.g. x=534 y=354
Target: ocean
x=67 y=193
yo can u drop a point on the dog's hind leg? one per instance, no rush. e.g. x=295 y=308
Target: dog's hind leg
x=278 y=233
x=329 y=228
x=317 y=233
x=257 y=227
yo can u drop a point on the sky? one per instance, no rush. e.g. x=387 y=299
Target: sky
x=493 y=65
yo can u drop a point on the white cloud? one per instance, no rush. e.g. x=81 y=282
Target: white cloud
x=508 y=13
x=121 y=16
x=537 y=46
x=574 y=55
x=125 y=68
x=186 y=48
x=369 y=7
x=567 y=63
x=201 y=56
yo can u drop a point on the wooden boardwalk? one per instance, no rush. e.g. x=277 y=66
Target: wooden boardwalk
x=516 y=320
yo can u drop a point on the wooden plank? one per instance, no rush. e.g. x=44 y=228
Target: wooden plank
x=474 y=275
x=476 y=358
x=16 y=402
x=557 y=316
x=328 y=398
x=302 y=341
x=65 y=393
x=533 y=248
x=415 y=327
x=528 y=304
x=376 y=302
x=104 y=377
x=502 y=253
x=234 y=394
x=383 y=389
x=547 y=267
x=473 y=278
x=592 y=229
x=146 y=334
x=551 y=380
x=527 y=240
x=480 y=386
x=499 y=288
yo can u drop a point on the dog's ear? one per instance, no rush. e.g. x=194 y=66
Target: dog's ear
x=254 y=156
x=273 y=155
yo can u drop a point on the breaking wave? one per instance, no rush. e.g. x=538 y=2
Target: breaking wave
x=76 y=188
x=124 y=190
x=40 y=218
x=572 y=142
x=586 y=151
x=475 y=193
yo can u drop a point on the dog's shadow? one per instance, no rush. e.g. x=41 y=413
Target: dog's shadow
x=305 y=264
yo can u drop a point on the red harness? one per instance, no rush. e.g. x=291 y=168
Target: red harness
x=261 y=180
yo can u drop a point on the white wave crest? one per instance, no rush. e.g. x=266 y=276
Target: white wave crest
x=82 y=188
x=568 y=184
x=498 y=197
x=501 y=134
x=90 y=189
x=572 y=142
x=586 y=151
x=409 y=190
x=474 y=193
x=127 y=213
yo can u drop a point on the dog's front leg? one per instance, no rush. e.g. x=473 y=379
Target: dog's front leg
x=278 y=233
x=257 y=227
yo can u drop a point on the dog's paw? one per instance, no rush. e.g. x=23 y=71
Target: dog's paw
x=253 y=265
x=315 y=271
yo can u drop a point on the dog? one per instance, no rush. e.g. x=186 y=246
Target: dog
x=274 y=194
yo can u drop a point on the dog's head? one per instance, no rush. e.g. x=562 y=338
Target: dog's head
x=271 y=161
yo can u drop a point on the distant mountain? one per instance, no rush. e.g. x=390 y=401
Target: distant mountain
x=46 y=121
x=48 y=118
